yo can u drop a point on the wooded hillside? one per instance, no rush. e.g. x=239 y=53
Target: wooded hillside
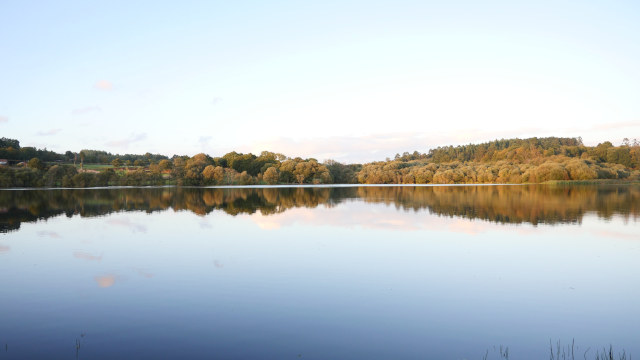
x=533 y=160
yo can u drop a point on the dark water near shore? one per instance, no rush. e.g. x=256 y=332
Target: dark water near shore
x=444 y=272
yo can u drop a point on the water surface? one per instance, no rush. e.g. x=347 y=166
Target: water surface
x=316 y=273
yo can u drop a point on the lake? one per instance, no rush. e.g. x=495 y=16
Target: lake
x=363 y=272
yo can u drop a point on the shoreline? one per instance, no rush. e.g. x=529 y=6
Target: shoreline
x=282 y=186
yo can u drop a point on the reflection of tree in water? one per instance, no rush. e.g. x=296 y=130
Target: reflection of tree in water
x=512 y=204
x=504 y=204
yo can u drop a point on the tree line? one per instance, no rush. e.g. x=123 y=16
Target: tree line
x=532 y=160
x=10 y=149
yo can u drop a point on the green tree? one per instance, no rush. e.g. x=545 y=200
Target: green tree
x=341 y=173
x=36 y=164
x=9 y=143
x=55 y=175
x=619 y=155
x=82 y=156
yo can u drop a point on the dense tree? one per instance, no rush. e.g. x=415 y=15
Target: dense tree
x=341 y=173
x=103 y=157
x=194 y=168
x=271 y=176
x=56 y=174
x=311 y=172
x=599 y=153
x=502 y=161
x=505 y=149
x=213 y=175
x=286 y=171
x=36 y=164
x=619 y=155
x=165 y=164
x=9 y=143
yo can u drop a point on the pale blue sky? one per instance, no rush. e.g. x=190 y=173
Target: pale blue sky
x=353 y=81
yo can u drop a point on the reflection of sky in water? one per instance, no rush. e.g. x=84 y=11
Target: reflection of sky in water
x=356 y=280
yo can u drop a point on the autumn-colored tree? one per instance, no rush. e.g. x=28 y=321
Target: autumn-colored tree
x=213 y=174
x=311 y=172
x=165 y=165
x=271 y=176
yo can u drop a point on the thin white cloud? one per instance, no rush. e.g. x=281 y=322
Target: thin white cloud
x=216 y=100
x=125 y=143
x=85 y=110
x=48 y=132
x=3 y=119
x=104 y=85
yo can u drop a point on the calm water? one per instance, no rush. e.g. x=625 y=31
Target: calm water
x=318 y=273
